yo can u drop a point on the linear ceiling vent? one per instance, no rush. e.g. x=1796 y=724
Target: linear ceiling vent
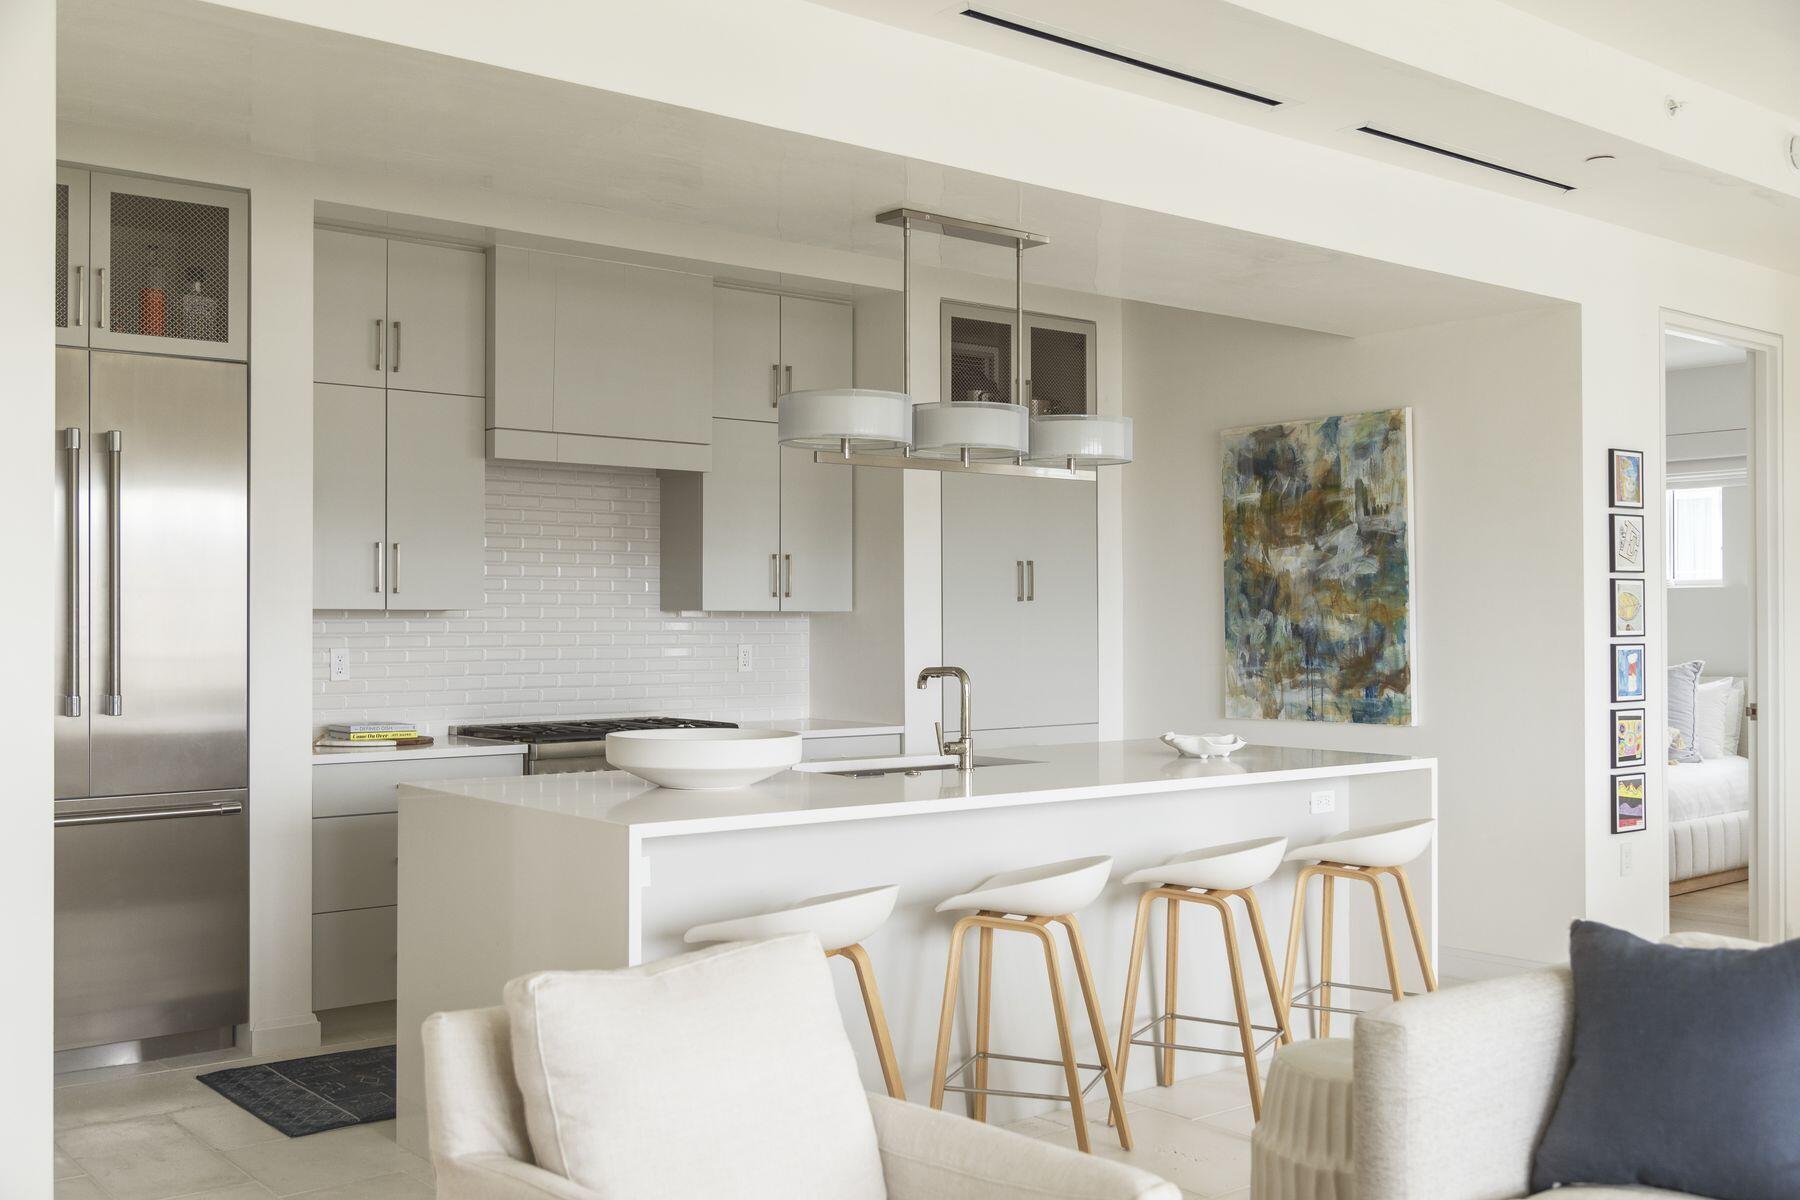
x=1464 y=158
x=1116 y=56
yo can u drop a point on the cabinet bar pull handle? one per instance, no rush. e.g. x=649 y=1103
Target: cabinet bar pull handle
x=72 y=447
x=114 y=703
x=775 y=385
x=80 y=297
x=1019 y=580
x=394 y=572
x=774 y=576
x=379 y=560
x=116 y=816
x=788 y=371
x=394 y=353
x=102 y=310
x=787 y=593
x=1031 y=579
x=378 y=341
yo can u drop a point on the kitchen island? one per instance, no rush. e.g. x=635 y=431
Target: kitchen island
x=501 y=877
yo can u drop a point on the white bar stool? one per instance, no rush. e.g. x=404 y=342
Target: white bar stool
x=840 y=921
x=1209 y=877
x=1029 y=901
x=1364 y=854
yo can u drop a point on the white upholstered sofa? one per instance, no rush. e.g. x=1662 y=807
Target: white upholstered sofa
x=481 y=1149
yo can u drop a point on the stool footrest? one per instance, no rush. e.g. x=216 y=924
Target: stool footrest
x=991 y=1056
x=1299 y=1000
x=1137 y=1038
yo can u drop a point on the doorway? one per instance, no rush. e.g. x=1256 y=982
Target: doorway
x=1720 y=570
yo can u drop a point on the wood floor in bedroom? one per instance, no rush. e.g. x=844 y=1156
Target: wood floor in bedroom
x=1724 y=910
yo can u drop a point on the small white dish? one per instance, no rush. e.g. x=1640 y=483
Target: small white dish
x=1204 y=745
x=703 y=760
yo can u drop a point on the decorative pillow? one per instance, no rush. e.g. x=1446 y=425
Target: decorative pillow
x=1734 y=716
x=1716 y=714
x=1684 y=705
x=1684 y=1073
x=721 y=1073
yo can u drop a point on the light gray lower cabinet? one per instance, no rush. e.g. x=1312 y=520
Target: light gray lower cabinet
x=765 y=530
x=399 y=498
x=1020 y=595
x=356 y=861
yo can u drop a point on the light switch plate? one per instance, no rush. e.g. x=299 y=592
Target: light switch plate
x=340 y=665
x=1624 y=858
x=1323 y=802
x=746 y=660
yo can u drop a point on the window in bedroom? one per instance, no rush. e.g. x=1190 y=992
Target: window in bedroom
x=1696 y=525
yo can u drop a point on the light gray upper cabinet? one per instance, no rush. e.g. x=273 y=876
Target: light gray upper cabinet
x=764 y=345
x=600 y=362
x=151 y=266
x=399 y=484
x=1020 y=592
x=1060 y=366
x=389 y=313
x=765 y=530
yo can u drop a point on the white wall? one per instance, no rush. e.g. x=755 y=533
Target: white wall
x=28 y=383
x=1497 y=575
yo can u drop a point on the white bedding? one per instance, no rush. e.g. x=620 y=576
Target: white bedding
x=1709 y=788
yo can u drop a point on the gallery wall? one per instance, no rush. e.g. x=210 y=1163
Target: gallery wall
x=1498 y=577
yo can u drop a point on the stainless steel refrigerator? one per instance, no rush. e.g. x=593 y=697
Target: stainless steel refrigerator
x=152 y=822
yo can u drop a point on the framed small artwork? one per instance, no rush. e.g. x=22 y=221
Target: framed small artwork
x=1630 y=738
x=1629 y=813
x=1628 y=673
x=1626 y=469
x=1627 y=543
x=1628 y=608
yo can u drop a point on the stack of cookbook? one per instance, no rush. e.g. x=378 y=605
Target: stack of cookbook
x=373 y=735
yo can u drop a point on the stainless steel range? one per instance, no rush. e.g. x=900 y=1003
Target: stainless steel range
x=555 y=747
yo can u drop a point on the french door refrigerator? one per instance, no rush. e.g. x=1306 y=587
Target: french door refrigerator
x=152 y=851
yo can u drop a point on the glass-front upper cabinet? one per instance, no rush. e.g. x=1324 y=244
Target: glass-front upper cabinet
x=1060 y=371
x=149 y=265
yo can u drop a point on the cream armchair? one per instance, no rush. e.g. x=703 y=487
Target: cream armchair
x=480 y=1149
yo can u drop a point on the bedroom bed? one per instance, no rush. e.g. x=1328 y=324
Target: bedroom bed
x=1709 y=823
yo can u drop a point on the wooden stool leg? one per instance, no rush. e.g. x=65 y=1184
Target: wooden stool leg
x=1071 y=1073
x=1387 y=936
x=1128 y=1017
x=1171 y=977
x=1328 y=914
x=984 y=990
x=1418 y=930
x=1084 y=975
x=947 y=1016
x=1296 y=927
x=1246 y=1035
x=878 y=1026
x=1276 y=999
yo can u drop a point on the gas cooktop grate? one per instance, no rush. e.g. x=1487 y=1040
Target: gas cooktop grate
x=582 y=731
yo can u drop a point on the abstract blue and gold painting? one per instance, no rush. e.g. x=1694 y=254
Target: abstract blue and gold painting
x=1318 y=570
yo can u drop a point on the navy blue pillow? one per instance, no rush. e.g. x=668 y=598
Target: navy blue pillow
x=1685 y=1071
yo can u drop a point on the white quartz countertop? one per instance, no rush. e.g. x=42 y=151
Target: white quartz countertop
x=1055 y=774
x=443 y=747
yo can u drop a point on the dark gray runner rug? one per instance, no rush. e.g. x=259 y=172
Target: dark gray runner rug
x=311 y=1095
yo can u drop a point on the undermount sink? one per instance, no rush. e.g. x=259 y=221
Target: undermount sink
x=903 y=764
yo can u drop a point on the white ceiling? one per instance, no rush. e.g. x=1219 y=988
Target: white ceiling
x=1749 y=48
x=300 y=92
x=1329 y=89
x=1682 y=352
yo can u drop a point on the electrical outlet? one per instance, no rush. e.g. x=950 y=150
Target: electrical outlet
x=1323 y=802
x=1624 y=858
x=340 y=665
x=746 y=661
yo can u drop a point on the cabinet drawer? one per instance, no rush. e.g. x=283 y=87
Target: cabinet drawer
x=355 y=861
x=344 y=788
x=874 y=745
x=353 y=957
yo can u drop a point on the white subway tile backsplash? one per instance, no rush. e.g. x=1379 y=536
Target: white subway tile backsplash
x=571 y=627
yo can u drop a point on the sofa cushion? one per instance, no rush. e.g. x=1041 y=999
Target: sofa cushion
x=725 y=1072
x=1684 y=1071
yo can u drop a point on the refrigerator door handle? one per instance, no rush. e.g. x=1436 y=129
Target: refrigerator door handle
x=118 y=816
x=72 y=447
x=113 y=705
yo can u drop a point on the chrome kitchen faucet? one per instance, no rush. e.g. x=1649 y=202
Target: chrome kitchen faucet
x=964 y=746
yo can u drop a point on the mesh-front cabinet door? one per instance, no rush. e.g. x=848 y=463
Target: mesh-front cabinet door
x=171 y=268
x=1060 y=369
x=73 y=272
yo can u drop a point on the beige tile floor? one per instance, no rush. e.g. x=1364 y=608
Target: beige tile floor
x=151 y=1132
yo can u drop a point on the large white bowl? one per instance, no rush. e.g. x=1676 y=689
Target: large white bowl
x=703 y=760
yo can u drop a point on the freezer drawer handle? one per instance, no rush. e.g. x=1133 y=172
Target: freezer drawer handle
x=72 y=447
x=118 y=816
x=113 y=704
